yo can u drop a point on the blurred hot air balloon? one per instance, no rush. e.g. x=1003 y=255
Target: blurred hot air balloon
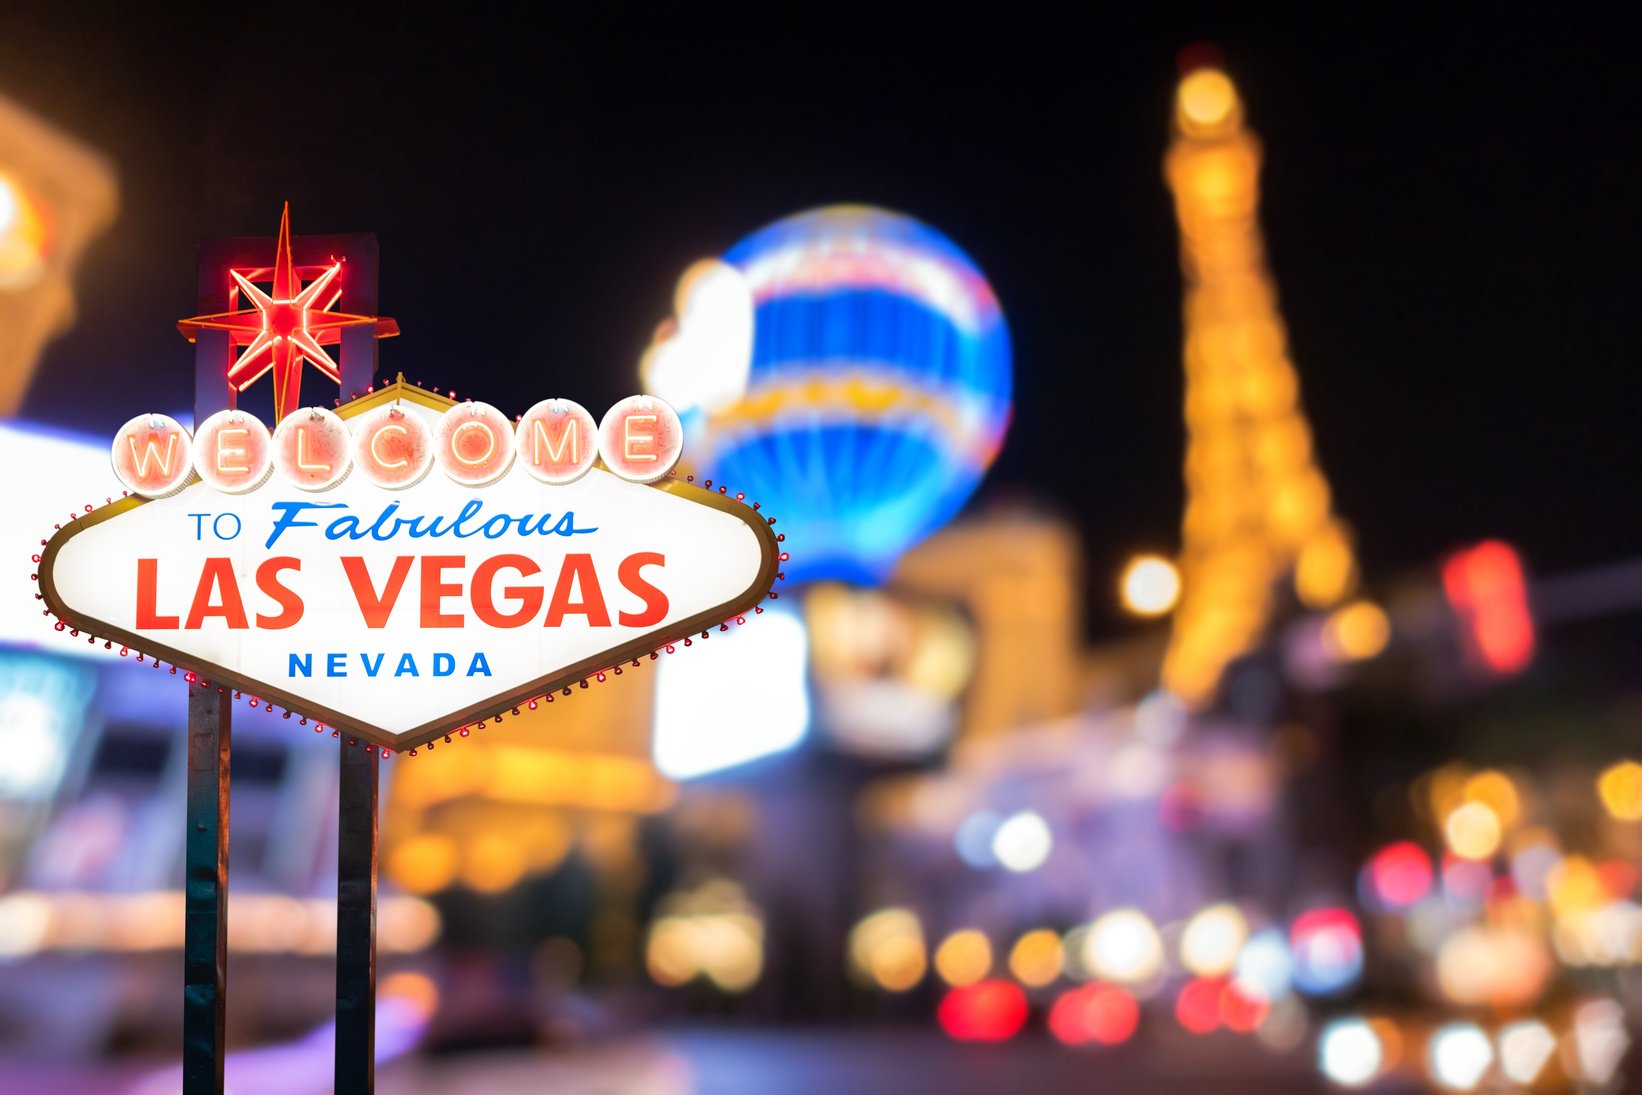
x=848 y=368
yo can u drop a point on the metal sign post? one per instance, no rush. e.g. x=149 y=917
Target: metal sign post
x=210 y=726
x=356 y=918
x=206 y=929
x=356 y=804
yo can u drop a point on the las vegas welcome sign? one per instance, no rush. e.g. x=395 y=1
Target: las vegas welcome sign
x=407 y=565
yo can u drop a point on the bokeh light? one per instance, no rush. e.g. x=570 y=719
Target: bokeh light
x=712 y=932
x=1240 y=1010
x=1574 y=886
x=1023 y=842
x=1327 y=946
x=973 y=839
x=1035 y=960
x=963 y=957
x=1213 y=938
x=1487 y=588
x=1524 y=1048
x=1265 y=968
x=1356 y=631
x=886 y=949
x=1495 y=965
x=1150 y=585
x=1620 y=788
x=1095 y=1013
x=1460 y=1055
x=1206 y=103
x=1472 y=831
x=1599 y=1040
x=1400 y=874
x=1197 y=1007
x=1349 y=1052
x=988 y=1011
x=1498 y=792
x=1123 y=946
x=1326 y=569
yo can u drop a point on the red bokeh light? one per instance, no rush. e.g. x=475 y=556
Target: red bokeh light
x=1323 y=922
x=1198 y=1005
x=1489 y=593
x=1400 y=874
x=1618 y=878
x=1103 y=1014
x=987 y=1011
x=1242 y=1011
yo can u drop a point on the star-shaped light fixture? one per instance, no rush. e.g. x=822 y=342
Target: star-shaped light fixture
x=283 y=328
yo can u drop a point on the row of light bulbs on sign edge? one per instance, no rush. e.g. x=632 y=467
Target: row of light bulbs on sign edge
x=557 y=441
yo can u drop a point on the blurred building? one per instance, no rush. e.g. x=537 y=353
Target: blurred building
x=56 y=195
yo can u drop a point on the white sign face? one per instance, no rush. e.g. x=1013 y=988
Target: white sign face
x=401 y=615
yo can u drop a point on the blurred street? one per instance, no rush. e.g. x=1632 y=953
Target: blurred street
x=758 y=1062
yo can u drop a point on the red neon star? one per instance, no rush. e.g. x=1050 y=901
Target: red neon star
x=285 y=327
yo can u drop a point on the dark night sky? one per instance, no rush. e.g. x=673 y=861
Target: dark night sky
x=1453 y=214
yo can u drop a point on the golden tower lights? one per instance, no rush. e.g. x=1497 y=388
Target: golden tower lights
x=1257 y=505
x=55 y=197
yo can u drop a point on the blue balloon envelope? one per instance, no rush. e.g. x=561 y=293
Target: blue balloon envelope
x=848 y=368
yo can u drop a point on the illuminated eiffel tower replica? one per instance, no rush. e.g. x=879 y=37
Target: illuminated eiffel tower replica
x=1258 y=511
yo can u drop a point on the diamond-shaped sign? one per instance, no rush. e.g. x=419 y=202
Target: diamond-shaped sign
x=401 y=615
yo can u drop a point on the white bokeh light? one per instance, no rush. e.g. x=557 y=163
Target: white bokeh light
x=1460 y=1055
x=1022 y=842
x=1349 y=1052
x=1213 y=939
x=1123 y=946
x=1524 y=1047
x=1264 y=968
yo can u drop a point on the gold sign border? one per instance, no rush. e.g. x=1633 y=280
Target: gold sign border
x=219 y=675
